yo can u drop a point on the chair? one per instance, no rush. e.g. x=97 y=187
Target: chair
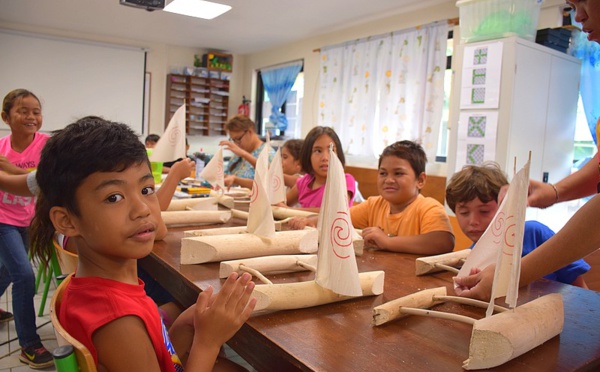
x=85 y=360
x=61 y=262
x=67 y=261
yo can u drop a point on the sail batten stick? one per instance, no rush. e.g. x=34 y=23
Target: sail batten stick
x=468 y=301
x=447 y=268
x=437 y=314
x=306 y=266
x=256 y=273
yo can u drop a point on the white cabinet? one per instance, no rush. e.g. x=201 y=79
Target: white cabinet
x=536 y=110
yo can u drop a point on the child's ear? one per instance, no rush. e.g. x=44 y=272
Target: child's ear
x=63 y=222
x=421 y=180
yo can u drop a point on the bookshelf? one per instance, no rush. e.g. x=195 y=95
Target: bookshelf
x=207 y=100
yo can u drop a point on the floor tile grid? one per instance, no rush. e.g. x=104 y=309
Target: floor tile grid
x=9 y=344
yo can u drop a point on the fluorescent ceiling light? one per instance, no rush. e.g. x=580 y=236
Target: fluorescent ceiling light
x=197 y=8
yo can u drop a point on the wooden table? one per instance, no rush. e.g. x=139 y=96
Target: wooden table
x=340 y=337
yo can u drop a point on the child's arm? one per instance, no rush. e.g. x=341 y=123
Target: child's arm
x=179 y=171
x=14 y=184
x=290 y=179
x=299 y=223
x=124 y=345
x=9 y=167
x=292 y=196
x=435 y=242
x=233 y=179
x=198 y=334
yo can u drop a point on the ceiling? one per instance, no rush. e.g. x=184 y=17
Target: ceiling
x=251 y=26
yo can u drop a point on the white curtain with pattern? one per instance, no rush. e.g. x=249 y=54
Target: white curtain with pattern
x=381 y=89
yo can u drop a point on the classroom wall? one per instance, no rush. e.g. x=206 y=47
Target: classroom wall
x=550 y=16
x=161 y=57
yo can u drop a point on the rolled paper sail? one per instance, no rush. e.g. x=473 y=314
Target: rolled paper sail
x=502 y=242
x=171 y=145
x=214 y=172
x=183 y=218
x=260 y=217
x=275 y=180
x=217 y=248
x=337 y=269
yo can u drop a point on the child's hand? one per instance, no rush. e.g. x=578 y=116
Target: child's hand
x=374 y=237
x=228 y=181
x=182 y=169
x=298 y=223
x=218 y=317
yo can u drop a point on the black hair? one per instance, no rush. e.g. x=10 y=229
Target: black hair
x=410 y=151
x=152 y=138
x=294 y=146
x=310 y=140
x=87 y=146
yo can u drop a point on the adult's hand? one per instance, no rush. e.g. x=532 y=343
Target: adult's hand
x=231 y=146
x=539 y=194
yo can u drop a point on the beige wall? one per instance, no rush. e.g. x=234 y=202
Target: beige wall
x=161 y=57
x=303 y=49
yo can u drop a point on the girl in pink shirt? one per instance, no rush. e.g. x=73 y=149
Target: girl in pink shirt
x=19 y=154
x=314 y=158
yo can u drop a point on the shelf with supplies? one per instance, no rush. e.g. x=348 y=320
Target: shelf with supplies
x=206 y=99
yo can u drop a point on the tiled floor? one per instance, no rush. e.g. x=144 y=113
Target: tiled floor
x=9 y=345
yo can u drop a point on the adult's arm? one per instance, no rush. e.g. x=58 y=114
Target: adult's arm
x=576 y=185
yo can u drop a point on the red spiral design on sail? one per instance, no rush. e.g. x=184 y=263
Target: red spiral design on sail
x=220 y=172
x=276 y=183
x=498 y=227
x=509 y=236
x=254 y=193
x=340 y=234
x=174 y=135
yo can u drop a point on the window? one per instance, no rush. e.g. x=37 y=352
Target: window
x=584 y=147
x=292 y=109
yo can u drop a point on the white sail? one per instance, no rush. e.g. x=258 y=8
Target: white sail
x=336 y=268
x=275 y=180
x=502 y=243
x=213 y=172
x=171 y=145
x=260 y=215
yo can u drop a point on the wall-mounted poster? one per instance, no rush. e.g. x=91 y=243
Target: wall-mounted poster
x=481 y=74
x=476 y=137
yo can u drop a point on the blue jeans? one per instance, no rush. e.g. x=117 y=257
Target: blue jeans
x=16 y=268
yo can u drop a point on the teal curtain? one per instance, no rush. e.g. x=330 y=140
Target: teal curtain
x=278 y=83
